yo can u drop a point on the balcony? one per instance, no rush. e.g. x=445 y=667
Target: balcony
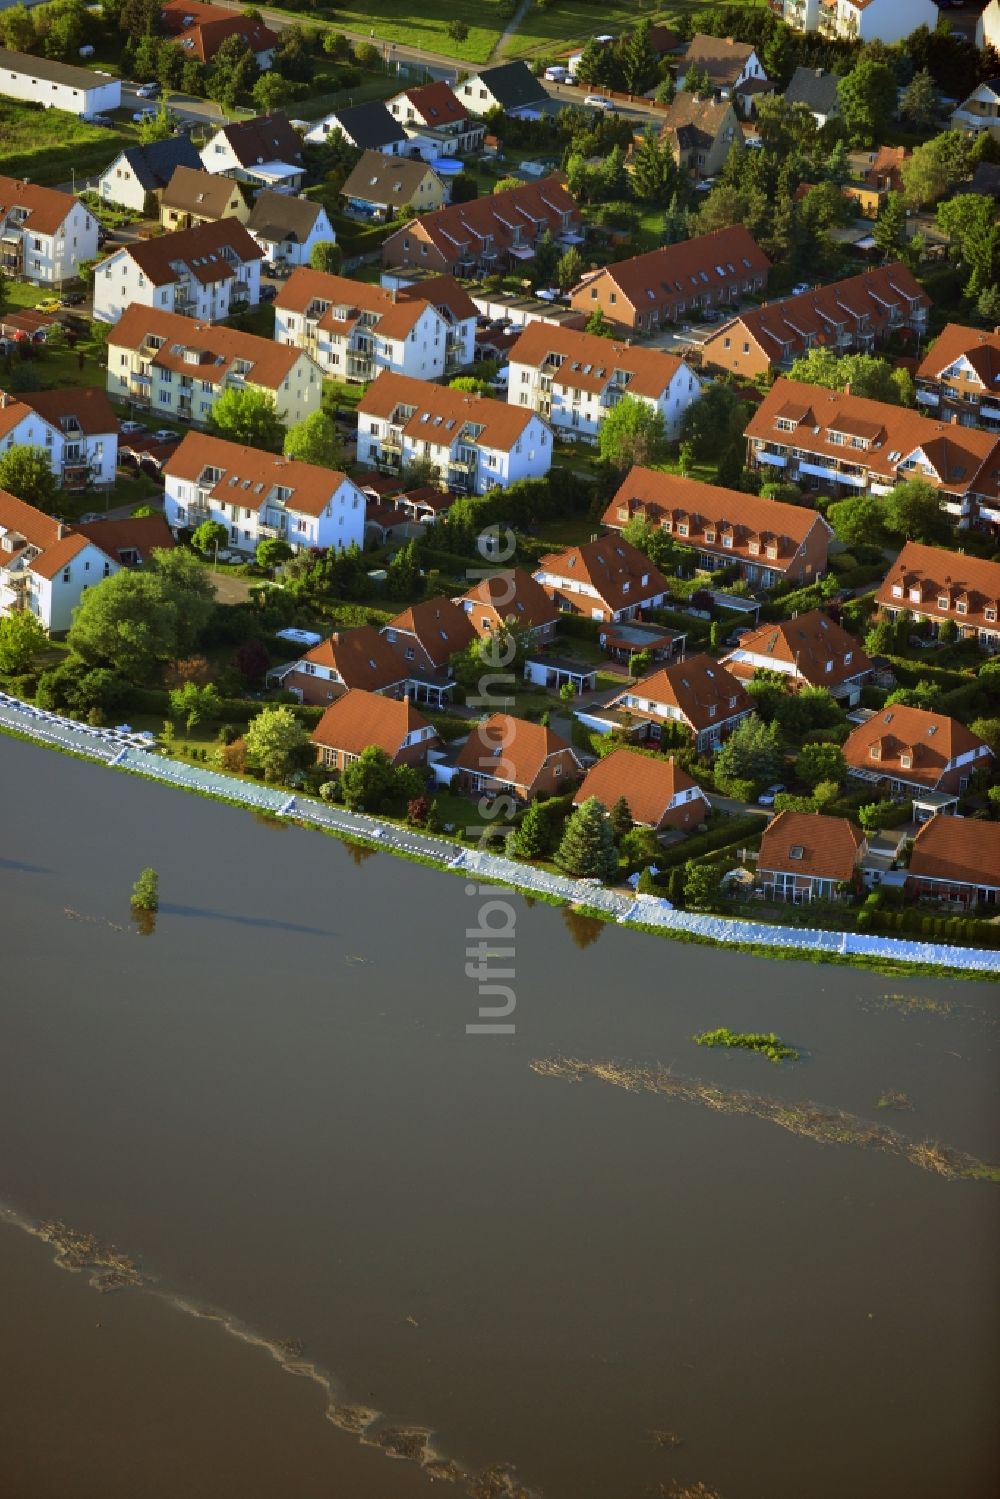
x=277 y=532
x=198 y=511
x=392 y=442
x=927 y=397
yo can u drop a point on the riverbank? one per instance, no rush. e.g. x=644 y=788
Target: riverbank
x=120 y=751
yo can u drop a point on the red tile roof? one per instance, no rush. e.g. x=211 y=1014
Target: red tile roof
x=217 y=347
x=808 y=844
x=200 y=250
x=808 y=642
x=589 y=362
x=511 y=595
x=620 y=573
x=649 y=784
x=438 y=414
x=360 y=719
x=440 y=626
x=688 y=269
x=90 y=407
x=249 y=474
x=461 y=225
x=339 y=303
x=45 y=207
x=961 y=849
x=511 y=749
x=143 y=534
x=935 y=574
x=206 y=27
x=361 y=658
x=700 y=688
x=928 y=740
x=978 y=345
x=435 y=104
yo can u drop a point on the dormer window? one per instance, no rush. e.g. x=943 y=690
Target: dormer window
x=990 y=615
x=709 y=535
x=682 y=529
x=897 y=590
x=849 y=657
x=727 y=541
x=828 y=666
x=961 y=607
x=875 y=752
x=942 y=602
x=914 y=595
x=906 y=761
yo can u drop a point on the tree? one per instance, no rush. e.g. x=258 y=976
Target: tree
x=507 y=185
x=146 y=891
x=546 y=261
x=135 y=621
x=315 y=440
x=864 y=373
x=27 y=473
x=857 y=522
x=569 y=269
x=458 y=30
x=271 y=552
x=702 y=883
x=821 y=762
x=752 y=754
x=920 y=101
x=653 y=170
x=271 y=91
x=234 y=72
x=208 y=536
x=591 y=66
x=890 y=226
x=638 y=62
x=247 y=416
x=632 y=432
x=935 y=168
x=326 y=256
x=621 y=818
x=587 y=849
x=403 y=573
x=273 y=740
x=714 y=423
x=532 y=837
x=367 y=781
x=881 y=638
x=252 y=661
x=697 y=81
x=22 y=638
x=913 y=510
x=867 y=98
x=613 y=177
x=598 y=323
x=969 y=221
x=666 y=91
x=157 y=127
x=193 y=703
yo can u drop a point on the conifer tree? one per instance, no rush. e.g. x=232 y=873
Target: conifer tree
x=620 y=818
x=530 y=839
x=588 y=847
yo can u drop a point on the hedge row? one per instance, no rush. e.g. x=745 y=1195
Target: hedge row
x=237 y=710
x=939 y=928
x=736 y=830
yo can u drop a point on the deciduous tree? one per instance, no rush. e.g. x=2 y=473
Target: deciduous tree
x=632 y=432
x=27 y=473
x=247 y=416
x=274 y=739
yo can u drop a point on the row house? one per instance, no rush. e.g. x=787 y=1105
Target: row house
x=363 y=720
x=259 y=496
x=265 y=152
x=200 y=30
x=193 y=196
x=76 y=428
x=846 y=444
x=511 y=598
x=769 y=541
x=436 y=123
x=697 y=693
x=659 y=794
x=854 y=315
x=959 y=377
x=288 y=228
x=207 y=272
x=808 y=650
x=641 y=294
x=861 y=20
x=607 y=579
x=46 y=566
x=427 y=634
x=911 y=752
x=489 y=235
x=354 y=330
x=956 y=858
x=176 y=366
x=137 y=177
x=508 y=756
x=574 y=379
x=929 y=583
x=475 y=444
x=805 y=856
x=44 y=233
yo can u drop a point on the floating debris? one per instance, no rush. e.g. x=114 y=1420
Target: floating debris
x=813 y=1121
x=402 y=1441
x=697 y=1490
x=667 y=1439
x=353 y=1418
x=444 y=1469
x=893 y=1099
x=499 y=1482
x=288 y=1347
x=916 y=1004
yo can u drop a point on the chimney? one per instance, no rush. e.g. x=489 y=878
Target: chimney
x=3 y=399
x=847 y=388
x=954 y=419
x=61 y=531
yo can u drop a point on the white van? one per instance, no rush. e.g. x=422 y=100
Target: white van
x=557 y=75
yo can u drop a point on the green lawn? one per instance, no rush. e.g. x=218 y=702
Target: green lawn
x=567 y=24
x=424 y=26
x=49 y=145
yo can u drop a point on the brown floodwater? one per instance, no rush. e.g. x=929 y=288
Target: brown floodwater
x=270 y=1104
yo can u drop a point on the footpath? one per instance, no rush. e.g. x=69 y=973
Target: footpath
x=121 y=749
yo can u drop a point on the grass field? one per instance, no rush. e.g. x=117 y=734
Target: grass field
x=568 y=23
x=396 y=21
x=48 y=145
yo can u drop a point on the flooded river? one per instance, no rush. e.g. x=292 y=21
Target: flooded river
x=271 y=1104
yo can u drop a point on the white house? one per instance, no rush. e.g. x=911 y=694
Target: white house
x=476 y=444
x=574 y=379
x=57 y=85
x=511 y=86
x=44 y=234
x=287 y=228
x=264 y=151
x=728 y=64
x=459 y=310
x=162 y=362
x=436 y=122
x=204 y=272
x=355 y=330
x=258 y=495
x=144 y=171
x=980 y=110
x=75 y=427
x=369 y=127
x=988 y=27
x=861 y=20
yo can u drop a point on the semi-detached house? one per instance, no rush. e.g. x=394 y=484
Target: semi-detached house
x=849 y=316
x=845 y=444
x=355 y=330
x=436 y=122
x=137 y=177
x=459 y=311
x=769 y=541
x=638 y=295
x=288 y=228
x=574 y=379
x=205 y=272
x=44 y=233
x=489 y=235
x=260 y=496
x=697 y=693
x=808 y=650
x=607 y=579
x=179 y=367
x=911 y=752
x=76 y=428
x=959 y=377
x=931 y=583
x=475 y=443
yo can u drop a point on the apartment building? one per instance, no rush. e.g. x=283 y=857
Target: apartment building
x=162 y=362
x=641 y=294
x=58 y=85
x=207 y=272
x=861 y=20
x=436 y=122
x=44 y=233
x=258 y=496
x=475 y=444
x=959 y=377
x=770 y=542
x=459 y=310
x=574 y=379
x=75 y=428
x=931 y=583
x=845 y=444
x=855 y=315
x=355 y=330
x=490 y=235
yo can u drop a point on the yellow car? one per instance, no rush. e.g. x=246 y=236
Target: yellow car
x=48 y=304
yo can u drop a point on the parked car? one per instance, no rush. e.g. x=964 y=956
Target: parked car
x=268 y=293
x=104 y=121
x=143 y=114
x=129 y=429
x=74 y=299
x=598 y=101
x=164 y=434
x=766 y=799
x=48 y=304
x=711 y=315
x=800 y=287
x=147 y=91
